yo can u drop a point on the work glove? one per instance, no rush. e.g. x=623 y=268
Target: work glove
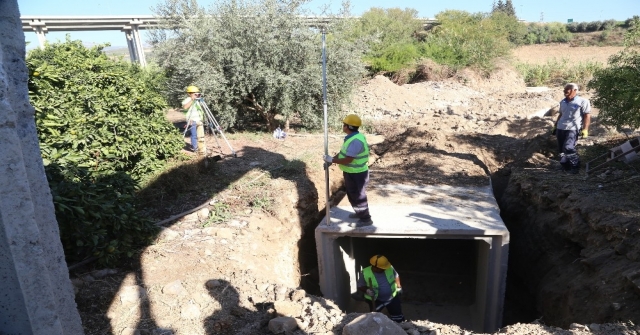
x=328 y=159
x=584 y=133
x=399 y=291
x=371 y=292
x=554 y=130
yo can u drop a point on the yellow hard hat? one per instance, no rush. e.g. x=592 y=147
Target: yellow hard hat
x=352 y=120
x=193 y=89
x=380 y=261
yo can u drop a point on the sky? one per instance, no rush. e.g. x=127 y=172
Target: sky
x=528 y=10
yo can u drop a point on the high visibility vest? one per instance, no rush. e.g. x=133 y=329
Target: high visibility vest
x=370 y=279
x=194 y=112
x=360 y=163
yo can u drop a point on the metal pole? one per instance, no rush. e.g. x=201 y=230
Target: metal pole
x=326 y=127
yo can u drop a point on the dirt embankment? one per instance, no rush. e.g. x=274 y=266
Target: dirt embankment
x=241 y=260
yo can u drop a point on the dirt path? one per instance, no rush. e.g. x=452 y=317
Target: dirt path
x=243 y=259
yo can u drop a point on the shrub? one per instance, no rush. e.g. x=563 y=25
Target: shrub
x=256 y=68
x=557 y=72
x=617 y=86
x=102 y=130
x=464 y=39
x=394 y=57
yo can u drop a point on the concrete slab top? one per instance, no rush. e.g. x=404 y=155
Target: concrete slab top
x=423 y=210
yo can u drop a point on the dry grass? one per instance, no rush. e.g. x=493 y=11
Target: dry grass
x=542 y=54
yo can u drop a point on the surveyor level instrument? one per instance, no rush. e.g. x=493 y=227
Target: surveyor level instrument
x=210 y=123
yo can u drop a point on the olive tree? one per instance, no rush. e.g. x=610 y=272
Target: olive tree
x=617 y=86
x=254 y=60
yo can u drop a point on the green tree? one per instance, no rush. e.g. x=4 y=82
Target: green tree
x=102 y=130
x=503 y=7
x=618 y=85
x=463 y=39
x=254 y=60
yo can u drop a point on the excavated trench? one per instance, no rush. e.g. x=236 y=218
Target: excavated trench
x=552 y=273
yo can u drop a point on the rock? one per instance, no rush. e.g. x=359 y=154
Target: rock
x=577 y=326
x=174 y=288
x=372 y=324
x=594 y=327
x=288 y=308
x=225 y=233
x=298 y=295
x=132 y=294
x=168 y=234
x=190 y=312
x=282 y=325
x=203 y=214
x=103 y=273
x=213 y=283
x=190 y=217
x=211 y=231
x=237 y=223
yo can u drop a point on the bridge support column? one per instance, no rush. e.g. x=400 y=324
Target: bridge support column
x=137 y=42
x=36 y=294
x=133 y=54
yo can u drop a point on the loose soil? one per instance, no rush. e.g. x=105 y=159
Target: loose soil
x=240 y=249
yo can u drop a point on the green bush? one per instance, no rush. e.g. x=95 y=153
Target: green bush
x=464 y=39
x=394 y=57
x=102 y=130
x=557 y=72
x=547 y=33
x=617 y=86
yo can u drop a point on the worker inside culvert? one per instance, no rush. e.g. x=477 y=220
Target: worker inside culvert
x=381 y=286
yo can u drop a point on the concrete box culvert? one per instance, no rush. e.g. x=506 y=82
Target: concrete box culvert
x=448 y=244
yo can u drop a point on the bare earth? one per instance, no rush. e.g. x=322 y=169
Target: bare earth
x=540 y=54
x=577 y=240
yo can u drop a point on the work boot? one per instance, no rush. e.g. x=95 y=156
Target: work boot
x=361 y=223
x=353 y=216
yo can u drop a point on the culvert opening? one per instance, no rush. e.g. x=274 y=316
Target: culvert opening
x=438 y=276
x=449 y=245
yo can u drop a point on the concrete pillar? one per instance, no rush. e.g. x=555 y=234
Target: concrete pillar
x=133 y=55
x=138 y=42
x=36 y=296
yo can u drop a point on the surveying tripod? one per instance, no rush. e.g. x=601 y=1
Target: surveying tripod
x=210 y=122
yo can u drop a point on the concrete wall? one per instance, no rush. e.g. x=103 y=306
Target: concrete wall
x=36 y=296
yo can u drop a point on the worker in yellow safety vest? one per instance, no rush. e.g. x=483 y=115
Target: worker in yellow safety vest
x=353 y=160
x=194 y=116
x=381 y=286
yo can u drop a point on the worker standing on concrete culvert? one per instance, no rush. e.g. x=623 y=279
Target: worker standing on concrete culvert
x=194 y=115
x=573 y=119
x=381 y=286
x=353 y=160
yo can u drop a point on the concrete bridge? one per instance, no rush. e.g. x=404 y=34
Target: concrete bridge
x=130 y=25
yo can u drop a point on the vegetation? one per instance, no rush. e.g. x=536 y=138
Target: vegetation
x=558 y=72
x=554 y=32
x=264 y=69
x=617 y=90
x=102 y=130
x=504 y=7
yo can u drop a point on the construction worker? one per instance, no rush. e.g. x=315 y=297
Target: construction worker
x=194 y=116
x=353 y=160
x=381 y=286
x=573 y=119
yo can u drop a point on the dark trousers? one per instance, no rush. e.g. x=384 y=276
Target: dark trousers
x=567 y=140
x=394 y=308
x=356 y=185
